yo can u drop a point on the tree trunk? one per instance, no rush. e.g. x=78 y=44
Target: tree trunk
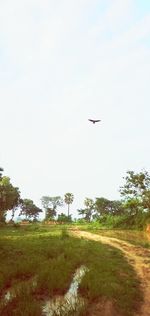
x=13 y=214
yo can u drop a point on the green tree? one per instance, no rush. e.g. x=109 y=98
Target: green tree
x=29 y=209
x=87 y=212
x=9 y=197
x=82 y=212
x=116 y=207
x=50 y=205
x=132 y=206
x=68 y=198
x=102 y=206
x=136 y=184
x=64 y=219
x=50 y=213
x=136 y=191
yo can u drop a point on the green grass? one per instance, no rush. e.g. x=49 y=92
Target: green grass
x=136 y=237
x=50 y=256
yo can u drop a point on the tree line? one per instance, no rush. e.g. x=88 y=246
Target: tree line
x=133 y=206
x=134 y=202
x=10 y=200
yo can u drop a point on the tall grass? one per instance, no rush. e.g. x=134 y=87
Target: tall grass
x=51 y=257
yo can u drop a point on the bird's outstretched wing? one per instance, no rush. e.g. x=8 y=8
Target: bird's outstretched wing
x=94 y=121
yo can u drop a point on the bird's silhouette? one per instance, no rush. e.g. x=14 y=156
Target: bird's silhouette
x=94 y=121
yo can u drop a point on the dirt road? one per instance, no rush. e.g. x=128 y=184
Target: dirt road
x=137 y=256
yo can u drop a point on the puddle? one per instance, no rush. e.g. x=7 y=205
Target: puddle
x=7 y=296
x=71 y=302
x=12 y=292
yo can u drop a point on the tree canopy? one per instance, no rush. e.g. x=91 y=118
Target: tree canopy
x=9 y=196
x=50 y=204
x=136 y=192
x=136 y=184
x=64 y=219
x=29 y=209
x=87 y=212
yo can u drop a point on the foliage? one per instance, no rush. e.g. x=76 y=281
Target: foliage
x=104 y=206
x=68 y=198
x=50 y=205
x=50 y=213
x=29 y=209
x=136 y=192
x=132 y=206
x=9 y=197
x=87 y=212
x=125 y=221
x=64 y=219
x=119 y=221
x=136 y=184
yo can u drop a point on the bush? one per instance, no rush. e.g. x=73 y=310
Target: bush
x=126 y=221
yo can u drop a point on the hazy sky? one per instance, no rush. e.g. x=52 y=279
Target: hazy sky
x=62 y=62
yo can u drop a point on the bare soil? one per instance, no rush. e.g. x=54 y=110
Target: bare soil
x=138 y=257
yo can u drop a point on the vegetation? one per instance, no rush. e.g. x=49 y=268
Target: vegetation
x=136 y=192
x=136 y=237
x=87 y=212
x=38 y=264
x=9 y=197
x=68 y=200
x=50 y=205
x=64 y=219
x=132 y=211
x=38 y=261
x=29 y=209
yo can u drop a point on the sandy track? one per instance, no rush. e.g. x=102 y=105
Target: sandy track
x=137 y=256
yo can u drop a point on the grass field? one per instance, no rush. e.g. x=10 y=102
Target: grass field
x=135 y=237
x=38 y=263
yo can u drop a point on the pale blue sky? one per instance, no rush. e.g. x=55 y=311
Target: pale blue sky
x=62 y=62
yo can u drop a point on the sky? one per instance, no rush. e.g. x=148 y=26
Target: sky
x=61 y=63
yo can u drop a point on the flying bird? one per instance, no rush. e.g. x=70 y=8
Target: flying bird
x=94 y=121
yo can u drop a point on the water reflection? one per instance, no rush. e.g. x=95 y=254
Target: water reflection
x=14 y=290
x=71 y=302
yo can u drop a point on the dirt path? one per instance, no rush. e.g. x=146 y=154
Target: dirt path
x=137 y=256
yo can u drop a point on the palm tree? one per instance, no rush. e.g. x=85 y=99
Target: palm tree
x=69 y=197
